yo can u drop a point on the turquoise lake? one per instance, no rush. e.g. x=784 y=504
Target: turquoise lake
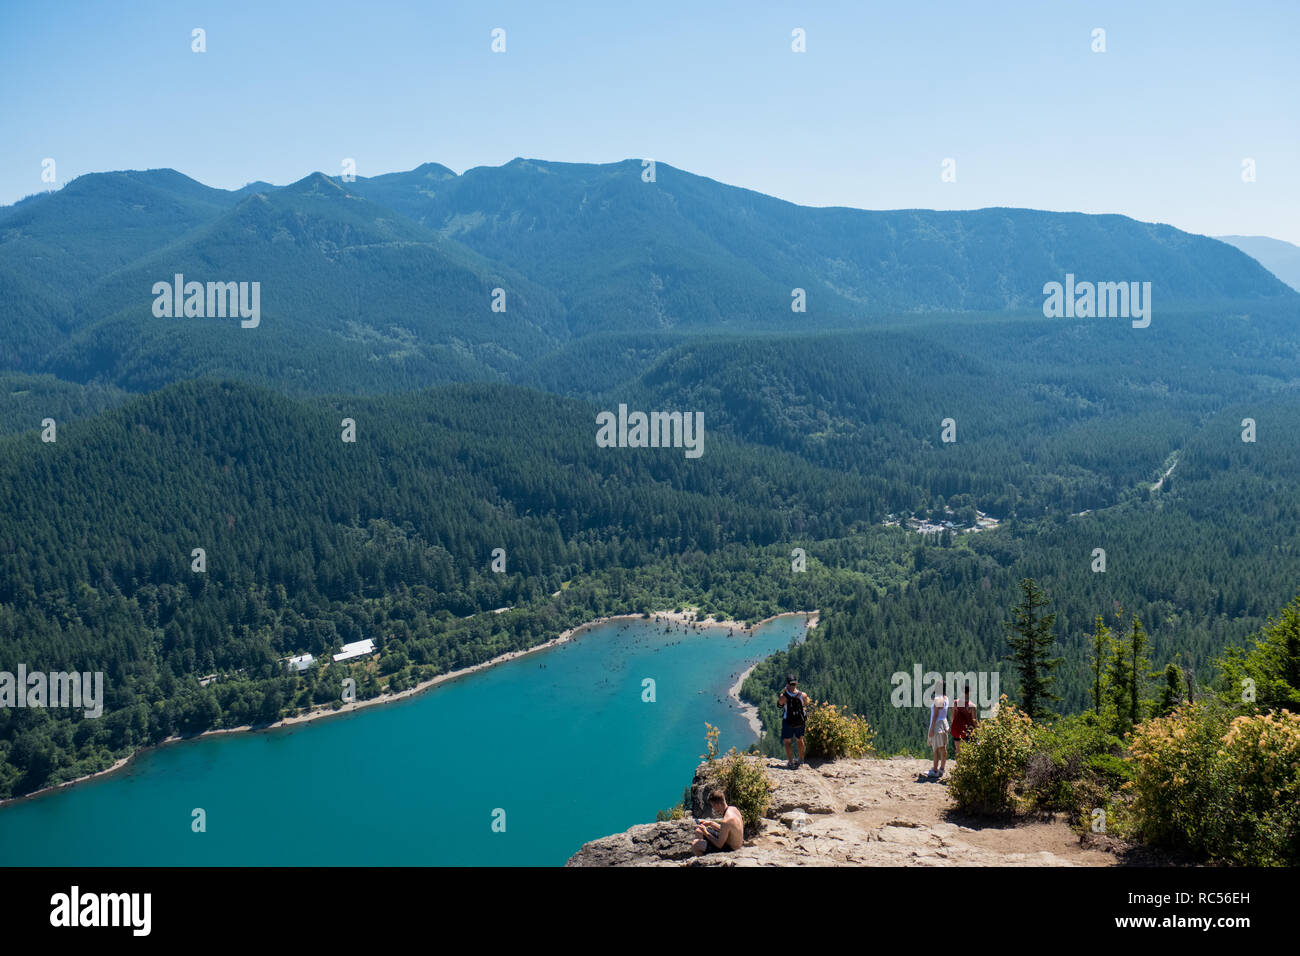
x=560 y=740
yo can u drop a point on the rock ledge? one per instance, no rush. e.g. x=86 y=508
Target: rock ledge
x=865 y=812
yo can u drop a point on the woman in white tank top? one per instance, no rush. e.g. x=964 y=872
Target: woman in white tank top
x=937 y=735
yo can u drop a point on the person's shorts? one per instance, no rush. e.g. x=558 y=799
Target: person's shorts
x=939 y=741
x=788 y=731
x=710 y=848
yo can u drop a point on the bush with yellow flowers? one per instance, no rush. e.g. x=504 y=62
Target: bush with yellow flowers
x=1259 y=769
x=1174 y=775
x=831 y=732
x=1222 y=788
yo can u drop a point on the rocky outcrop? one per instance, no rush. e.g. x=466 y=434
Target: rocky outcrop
x=649 y=844
x=850 y=813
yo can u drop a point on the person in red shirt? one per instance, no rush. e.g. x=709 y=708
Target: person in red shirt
x=964 y=719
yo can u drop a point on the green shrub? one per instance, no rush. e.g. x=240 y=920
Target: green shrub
x=746 y=784
x=1229 y=790
x=1173 y=781
x=992 y=759
x=832 y=732
x=1118 y=819
x=1259 y=770
x=1074 y=766
x=1111 y=771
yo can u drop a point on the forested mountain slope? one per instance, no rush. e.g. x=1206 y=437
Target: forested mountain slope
x=1203 y=562
x=389 y=283
x=310 y=542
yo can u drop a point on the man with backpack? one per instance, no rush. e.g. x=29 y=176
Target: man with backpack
x=794 y=712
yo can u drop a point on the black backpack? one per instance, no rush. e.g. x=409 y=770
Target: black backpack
x=794 y=713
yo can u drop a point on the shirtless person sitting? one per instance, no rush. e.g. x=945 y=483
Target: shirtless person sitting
x=719 y=835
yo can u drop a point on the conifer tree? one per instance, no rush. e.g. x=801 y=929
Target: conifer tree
x=1102 y=649
x=1138 y=666
x=1119 y=683
x=1031 y=641
x=1172 y=695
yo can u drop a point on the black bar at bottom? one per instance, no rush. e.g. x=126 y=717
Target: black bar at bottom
x=364 y=905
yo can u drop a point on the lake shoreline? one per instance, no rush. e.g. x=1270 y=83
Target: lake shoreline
x=748 y=710
x=685 y=617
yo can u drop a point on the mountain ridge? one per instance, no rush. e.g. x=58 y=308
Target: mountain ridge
x=406 y=280
x=1276 y=255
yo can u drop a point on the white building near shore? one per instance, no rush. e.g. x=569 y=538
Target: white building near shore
x=355 y=649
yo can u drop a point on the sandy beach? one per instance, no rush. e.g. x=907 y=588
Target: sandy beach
x=688 y=616
x=685 y=616
x=748 y=711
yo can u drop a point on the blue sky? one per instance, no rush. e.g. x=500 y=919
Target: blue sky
x=1156 y=127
